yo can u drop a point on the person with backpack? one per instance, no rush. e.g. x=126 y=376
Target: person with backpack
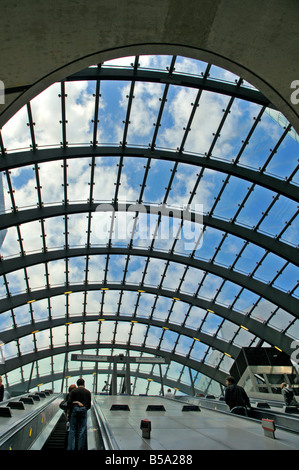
x=288 y=395
x=236 y=398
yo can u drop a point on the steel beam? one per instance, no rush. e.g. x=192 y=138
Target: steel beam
x=214 y=342
x=30 y=157
x=274 y=295
x=176 y=79
x=288 y=252
x=45 y=379
x=265 y=332
x=25 y=359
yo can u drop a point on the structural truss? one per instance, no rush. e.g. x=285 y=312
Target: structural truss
x=151 y=208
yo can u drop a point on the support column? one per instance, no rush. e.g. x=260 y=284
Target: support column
x=113 y=388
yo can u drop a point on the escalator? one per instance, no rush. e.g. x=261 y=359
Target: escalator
x=35 y=422
x=58 y=438
x=24 y=418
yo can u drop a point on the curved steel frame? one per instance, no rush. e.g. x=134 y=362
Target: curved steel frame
x=276 y=296
x=206 y=369
x=19 y=216
x=286 y=251
x=280 y=186
x=60 y=376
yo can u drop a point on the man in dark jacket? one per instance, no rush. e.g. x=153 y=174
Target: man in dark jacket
x=288 y=395
x=78 y=403
x=236 y=397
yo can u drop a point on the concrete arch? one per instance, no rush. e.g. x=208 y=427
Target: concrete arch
x=256 y=40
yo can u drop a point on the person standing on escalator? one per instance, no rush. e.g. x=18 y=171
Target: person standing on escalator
x=288 y=395
x=79 y=403
x=236 y=397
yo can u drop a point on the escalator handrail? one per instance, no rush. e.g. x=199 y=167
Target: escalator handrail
x=107 y=436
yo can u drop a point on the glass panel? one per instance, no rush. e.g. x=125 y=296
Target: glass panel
x=162 y=308
x=168 y=340
x=6 y=321
x=79 y=111
x=145 y=305
x=10 y=350
x=55 y=228
x=184 y=344
x=51 y=181
x=138 y=333
x=123 y=331
x=227 y=331
x=46 y=113
x=74 y=333
x=75 y=303
x=243 y=338
x=153 y=337
x=281 y=320
x=178 y=312
x=26 y=344
x=16 y=282
x=42 y=340
x=14 y=377
x=211 y=324
x=24 y=182
x=105 y=174
x=36 y=276
x=146 y=177
x=195 y=317
x=59 y=338
x=16 y=133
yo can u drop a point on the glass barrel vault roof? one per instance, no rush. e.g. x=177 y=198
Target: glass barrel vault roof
x=150 y=208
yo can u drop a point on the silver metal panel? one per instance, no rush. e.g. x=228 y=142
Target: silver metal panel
x=174 y=429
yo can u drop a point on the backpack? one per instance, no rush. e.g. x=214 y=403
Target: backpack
x=289 y=395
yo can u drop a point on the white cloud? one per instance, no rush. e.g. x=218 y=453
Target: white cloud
x=46 y=110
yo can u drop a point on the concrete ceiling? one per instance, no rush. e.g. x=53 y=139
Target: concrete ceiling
x=45 y=41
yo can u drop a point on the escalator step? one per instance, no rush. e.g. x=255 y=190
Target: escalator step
x=58 y=437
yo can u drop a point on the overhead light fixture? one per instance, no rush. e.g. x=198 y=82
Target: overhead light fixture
x=244 y=327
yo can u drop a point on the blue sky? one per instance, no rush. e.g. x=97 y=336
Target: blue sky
x=46 y=110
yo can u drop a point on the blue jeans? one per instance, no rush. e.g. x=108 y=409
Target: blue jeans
x=78 y=422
